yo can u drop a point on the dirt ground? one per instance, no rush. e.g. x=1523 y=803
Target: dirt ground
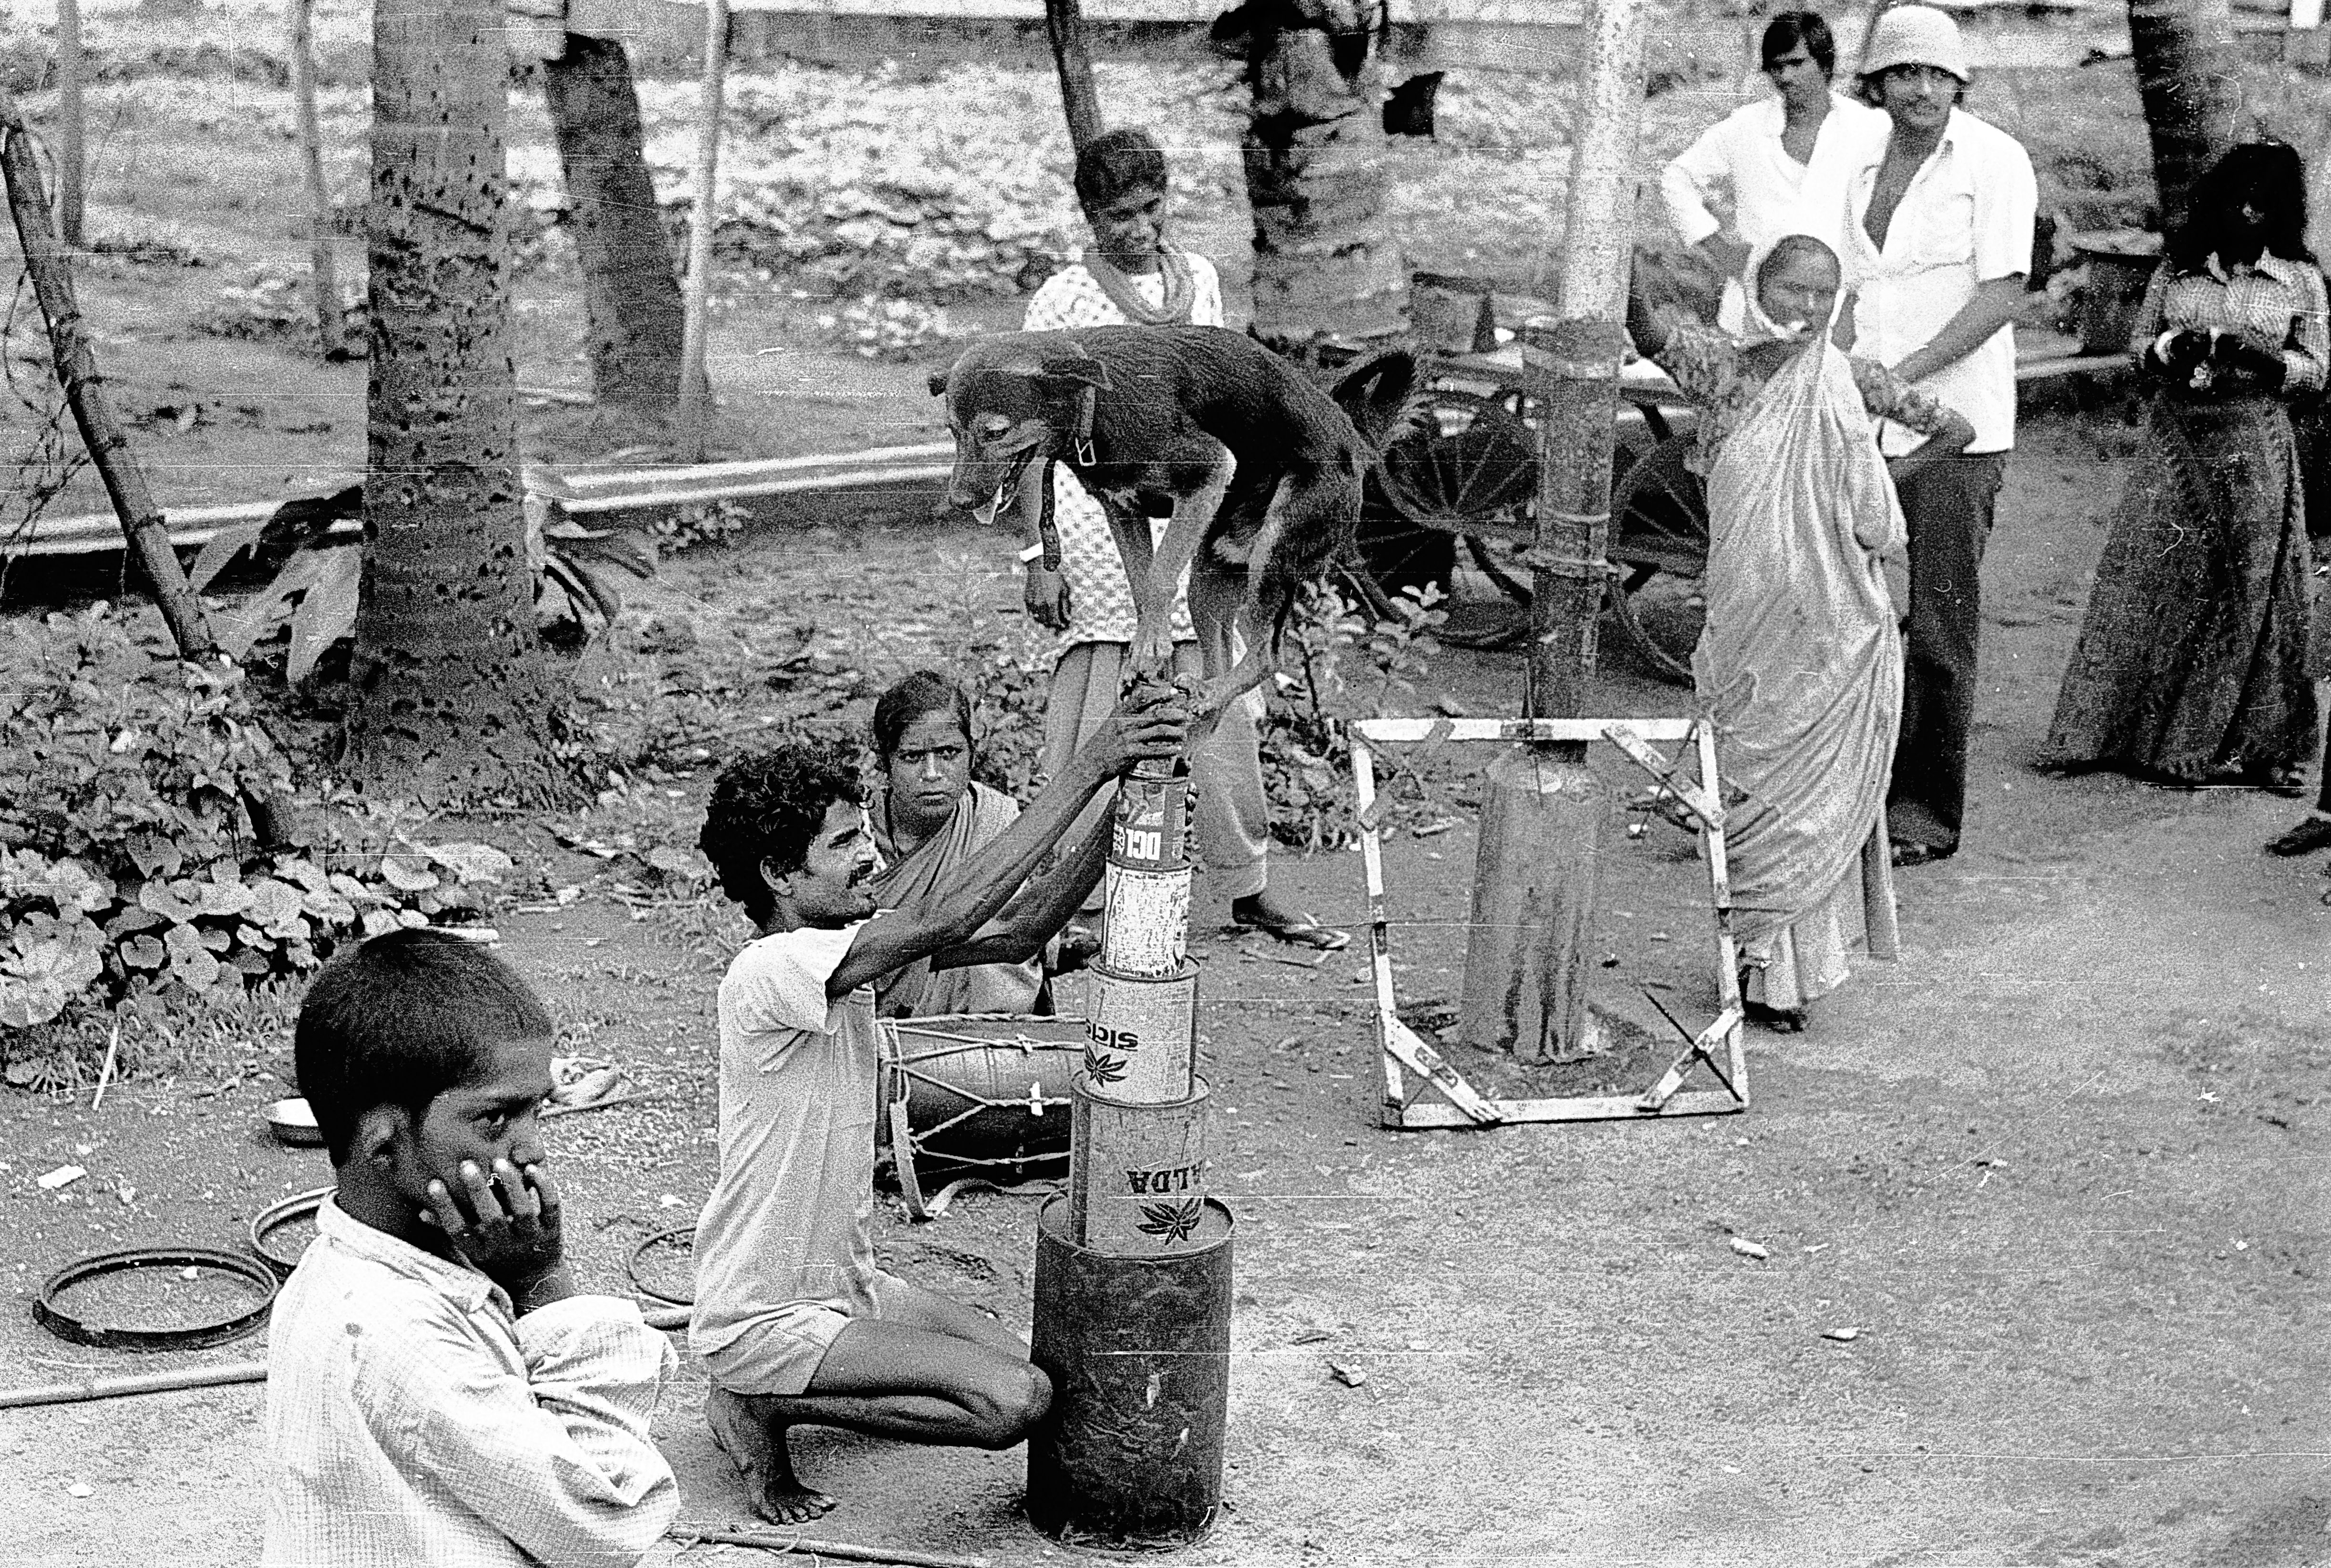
x=2060 y=1166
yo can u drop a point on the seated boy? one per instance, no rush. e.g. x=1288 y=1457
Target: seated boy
x=793 y=1322
x=438 y=1390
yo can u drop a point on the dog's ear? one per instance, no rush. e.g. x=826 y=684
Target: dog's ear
x=1077 y=364
x=939 y=382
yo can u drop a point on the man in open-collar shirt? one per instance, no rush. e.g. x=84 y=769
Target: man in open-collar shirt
x=1931 y=212
x=1757 y=157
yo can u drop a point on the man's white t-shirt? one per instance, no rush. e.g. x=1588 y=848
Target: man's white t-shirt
x=788 y=1219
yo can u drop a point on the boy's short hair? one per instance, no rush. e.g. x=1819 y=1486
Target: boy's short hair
x=400 y=1020
x=1117 y=162
x=1791 y=28
x=767 y=807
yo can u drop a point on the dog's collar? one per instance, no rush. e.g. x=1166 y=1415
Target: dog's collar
x=1087 y=399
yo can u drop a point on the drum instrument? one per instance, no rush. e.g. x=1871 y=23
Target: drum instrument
x=980 y=1098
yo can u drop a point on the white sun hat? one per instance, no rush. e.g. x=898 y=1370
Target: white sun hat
x=1916 y=35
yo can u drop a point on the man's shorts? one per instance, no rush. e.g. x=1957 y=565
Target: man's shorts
x=779 y=1352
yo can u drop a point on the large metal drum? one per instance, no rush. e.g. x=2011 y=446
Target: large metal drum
x=984 y=1093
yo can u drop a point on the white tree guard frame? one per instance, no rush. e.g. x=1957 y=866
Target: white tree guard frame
x=1715 y=1048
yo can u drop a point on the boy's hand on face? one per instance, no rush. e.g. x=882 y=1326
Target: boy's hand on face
x=506 y=1221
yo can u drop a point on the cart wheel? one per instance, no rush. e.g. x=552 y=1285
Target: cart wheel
x=1658 y=553
x=1473 y=467
x=1475 y=463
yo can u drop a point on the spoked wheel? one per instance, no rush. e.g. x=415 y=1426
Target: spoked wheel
x=1658 y=553
x=1471 y=470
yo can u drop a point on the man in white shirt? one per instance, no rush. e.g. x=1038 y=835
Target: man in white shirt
x=1933 y=219
x=793 y=1320
x=1755 y=158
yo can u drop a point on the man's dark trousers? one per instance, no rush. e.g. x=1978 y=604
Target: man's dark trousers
x=1948 y=509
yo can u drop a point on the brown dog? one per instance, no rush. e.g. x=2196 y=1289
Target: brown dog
x=1259 y=471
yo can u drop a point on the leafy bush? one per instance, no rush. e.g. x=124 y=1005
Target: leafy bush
x=126 y=863
x=1307 y=746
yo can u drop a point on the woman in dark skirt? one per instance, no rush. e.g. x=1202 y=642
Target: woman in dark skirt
x=2192 y=664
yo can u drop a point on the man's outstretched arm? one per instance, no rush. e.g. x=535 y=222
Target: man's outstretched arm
x=1151 y=723
x=1050 y=899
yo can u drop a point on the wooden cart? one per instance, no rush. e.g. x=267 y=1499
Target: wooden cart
x=1469 y=478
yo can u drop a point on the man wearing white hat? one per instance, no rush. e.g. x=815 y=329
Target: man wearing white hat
x=1933 y=219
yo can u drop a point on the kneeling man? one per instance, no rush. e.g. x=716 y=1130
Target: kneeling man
x=793 y=1320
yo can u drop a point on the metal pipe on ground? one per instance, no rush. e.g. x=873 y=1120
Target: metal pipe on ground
x=89 y=1390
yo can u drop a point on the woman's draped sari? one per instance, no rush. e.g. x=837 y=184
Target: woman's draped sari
x=919 y=991
x=1801 y=667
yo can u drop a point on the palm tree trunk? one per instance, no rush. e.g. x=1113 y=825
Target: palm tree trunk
x=2185 y=61
x=631 y=289
x=451 y=698
x=1325 y=262
x=1065 y=20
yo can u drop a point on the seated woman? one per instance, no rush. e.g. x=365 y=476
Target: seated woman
x=2192 y=664
x=928 y=818
x=1800 y=661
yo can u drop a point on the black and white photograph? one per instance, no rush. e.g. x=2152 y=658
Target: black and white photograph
x=1260 y=783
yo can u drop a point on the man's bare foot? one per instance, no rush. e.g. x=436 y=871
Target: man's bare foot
x=758 y=1452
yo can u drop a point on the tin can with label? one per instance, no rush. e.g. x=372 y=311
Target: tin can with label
x=1150 y=830
x=1137 y=1174
x=1142 y=1034
x=1148 y=920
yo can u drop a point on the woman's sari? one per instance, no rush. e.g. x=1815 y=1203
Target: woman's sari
x=1801 y=667
x=919 y=991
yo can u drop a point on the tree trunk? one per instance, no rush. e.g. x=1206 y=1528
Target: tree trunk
x=1325 y=262
x=2185 y=62
x=631 y=289
x=70 y=152
x=331 y=335
x=703 y=220
x=451 y=698
x=1065 y=20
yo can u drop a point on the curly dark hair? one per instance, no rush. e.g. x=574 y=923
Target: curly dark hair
x=924 y=691
x=767 y=808
x=2270 y=175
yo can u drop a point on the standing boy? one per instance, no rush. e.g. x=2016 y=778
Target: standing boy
x=438 y=1389
x=1933 y=219
x=1132 y=277
x=1755 y=157
x=793 y=1322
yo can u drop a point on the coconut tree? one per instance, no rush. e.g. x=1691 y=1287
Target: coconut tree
x=631 y=289
x=453 y=697
x=1325 y=262
x=1064 y=20
x=2183 y=51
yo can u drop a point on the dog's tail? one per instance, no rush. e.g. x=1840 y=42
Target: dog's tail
x=1383 y=397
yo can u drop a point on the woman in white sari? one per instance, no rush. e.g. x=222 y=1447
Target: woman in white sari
x=1800 y=662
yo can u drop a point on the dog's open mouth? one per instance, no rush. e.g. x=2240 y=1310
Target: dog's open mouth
x=1007 y=492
